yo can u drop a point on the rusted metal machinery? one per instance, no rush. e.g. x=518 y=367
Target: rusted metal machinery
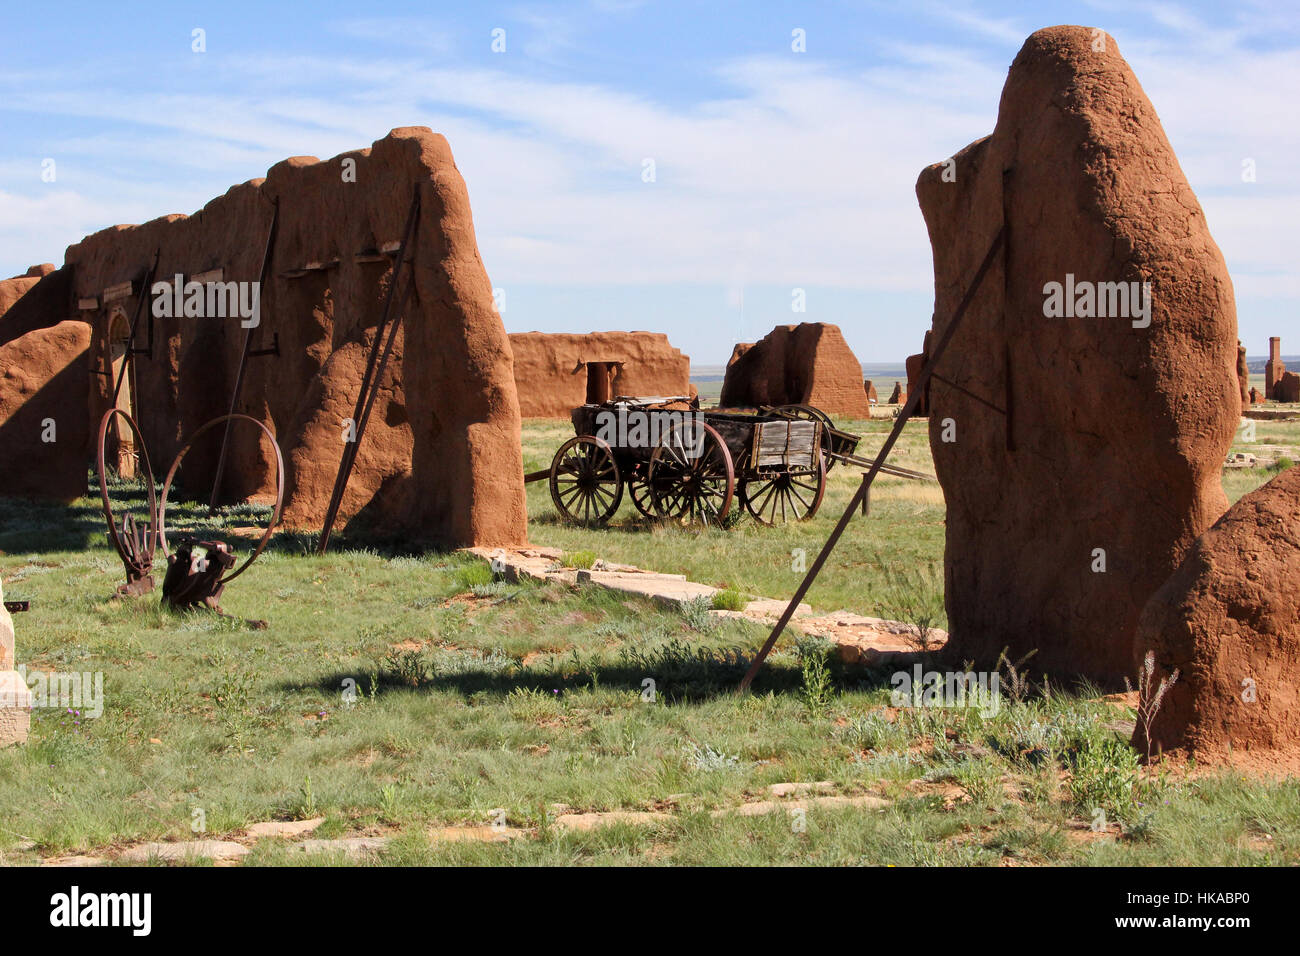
x=136 y=548
x=686 y=465
x=196 y=570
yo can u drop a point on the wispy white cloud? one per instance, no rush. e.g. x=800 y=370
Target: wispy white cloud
x=794 y=170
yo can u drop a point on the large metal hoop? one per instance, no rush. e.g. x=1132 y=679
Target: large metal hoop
x=103 y=485
x=279 y=490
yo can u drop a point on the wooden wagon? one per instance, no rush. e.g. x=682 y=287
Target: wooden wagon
x=679 y=463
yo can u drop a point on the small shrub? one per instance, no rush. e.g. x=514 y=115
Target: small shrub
x=578 y=559
x=816 y=692
x=532 y=704
x=695 y=613
x=729 y=599
x=981 y=783
x=408 y=667
x=1105 y=776
x=1016 y=678
x=305 y=807
x=913 y=596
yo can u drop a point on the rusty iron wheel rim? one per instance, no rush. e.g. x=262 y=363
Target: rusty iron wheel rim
x=279 y=491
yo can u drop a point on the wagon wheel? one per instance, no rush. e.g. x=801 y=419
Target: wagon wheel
x=638 y=489
x=785 y=495
x=810 y=413
x=690 y=475
x=585 y=484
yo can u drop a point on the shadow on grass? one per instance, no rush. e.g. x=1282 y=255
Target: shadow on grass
x=709 y=679
x=37 y=525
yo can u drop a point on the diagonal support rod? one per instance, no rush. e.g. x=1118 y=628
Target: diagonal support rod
x=128 y=358
x=375 y=367
x=967 y=392
x=913 y=399
x=243 y=360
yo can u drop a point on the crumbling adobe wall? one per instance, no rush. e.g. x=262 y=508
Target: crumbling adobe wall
x=1229 y=621
x=551 y=368
x=38 y=300
x=440 y=462
x=11 y=290
x=44 y=432
x=1111 y=456
x=913 y=366
x=805 y=364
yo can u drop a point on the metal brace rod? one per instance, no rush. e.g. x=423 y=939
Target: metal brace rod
x=967 y=392
x=390 y=322
x=131 y=350
x=243 y=359
x=913 y=399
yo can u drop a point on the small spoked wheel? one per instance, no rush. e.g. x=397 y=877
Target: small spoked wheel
x=785 y=495
x=585 y=483
x=690 y=476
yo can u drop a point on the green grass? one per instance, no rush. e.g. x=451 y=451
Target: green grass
x=393 y=693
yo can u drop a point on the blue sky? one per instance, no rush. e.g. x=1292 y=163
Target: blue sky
x=774 y=170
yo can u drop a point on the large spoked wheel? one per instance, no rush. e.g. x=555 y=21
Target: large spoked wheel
x=690 y=477
x=809 y=413
x=785 y=496
x=585 y=484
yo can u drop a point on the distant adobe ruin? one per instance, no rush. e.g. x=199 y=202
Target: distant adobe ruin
x=557 y=372
x=1279 y=384
x=805 y=364
x=440 y=461
x=913 y=368
x=1274 y=368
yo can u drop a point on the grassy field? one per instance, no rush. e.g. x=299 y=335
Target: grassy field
x=395 y=695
